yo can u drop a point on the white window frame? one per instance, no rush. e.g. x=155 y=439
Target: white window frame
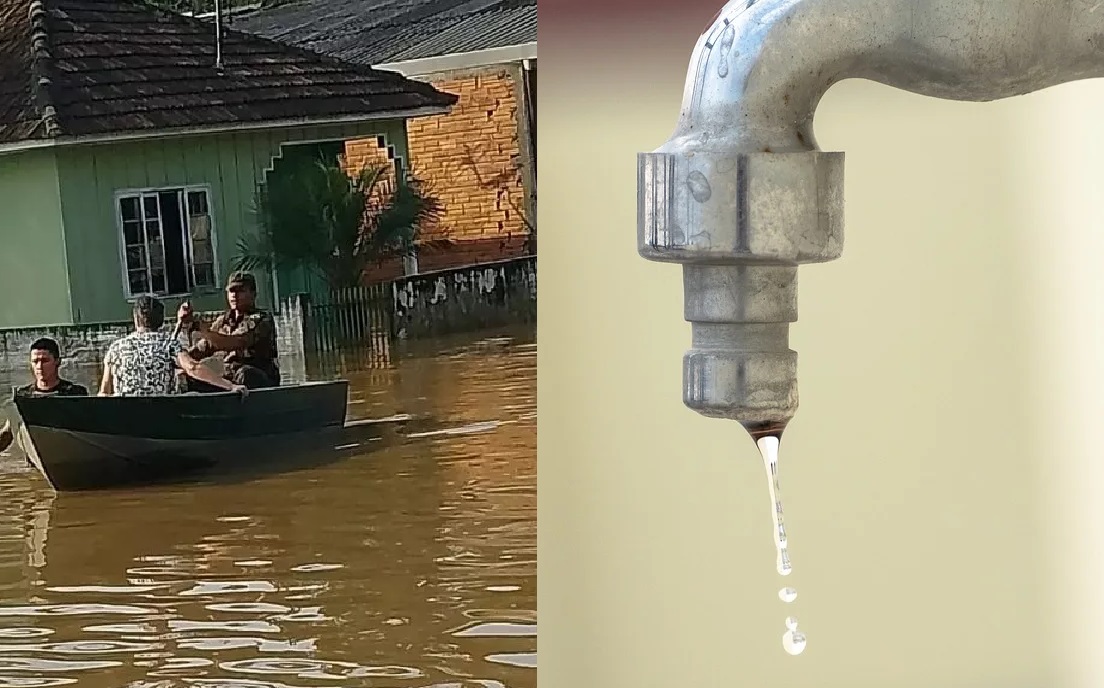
x=120 y=194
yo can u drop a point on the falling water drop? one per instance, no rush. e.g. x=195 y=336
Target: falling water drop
x=793 y=642
x=791 y=623
x=787 y=595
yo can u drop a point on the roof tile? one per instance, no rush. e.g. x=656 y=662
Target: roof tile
x=114 y=67
x=373 y=32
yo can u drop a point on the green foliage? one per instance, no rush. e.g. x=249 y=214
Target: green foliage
x=314 y=215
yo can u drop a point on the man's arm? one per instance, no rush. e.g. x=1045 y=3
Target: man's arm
x=110 y=359
x=201 y=350
x=186 y=323
x=226 y=342
x=258 y=329
x=107 y=383
x=194 y=369
x=206 y=346
x=6 y=436
x=7 y=433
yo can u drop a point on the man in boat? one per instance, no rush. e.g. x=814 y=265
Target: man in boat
x=45 y=366
x=144 y=362
x=244 y=333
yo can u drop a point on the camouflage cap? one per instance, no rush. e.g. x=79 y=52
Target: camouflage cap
x=242 y=278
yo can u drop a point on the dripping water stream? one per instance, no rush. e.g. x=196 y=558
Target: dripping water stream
x=793 y=640
x=768 y=447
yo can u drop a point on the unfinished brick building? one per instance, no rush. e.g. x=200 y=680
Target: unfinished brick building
x=479 y=160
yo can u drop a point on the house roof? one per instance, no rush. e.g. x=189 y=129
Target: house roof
x=99 y=67
x=374 y=32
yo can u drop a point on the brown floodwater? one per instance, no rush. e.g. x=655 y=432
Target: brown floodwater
x=408 y=561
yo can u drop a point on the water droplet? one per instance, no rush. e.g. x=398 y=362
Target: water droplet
x=784 y=566
x=728 y=38
x=793 y=642
x=791 y=623
x=699 y=186
x=787 y=595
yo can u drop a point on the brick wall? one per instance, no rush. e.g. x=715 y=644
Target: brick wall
x=469 y=160
x=459 y=253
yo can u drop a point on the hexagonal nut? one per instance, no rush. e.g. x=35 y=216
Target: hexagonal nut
x=727 y=207
x=750 y=387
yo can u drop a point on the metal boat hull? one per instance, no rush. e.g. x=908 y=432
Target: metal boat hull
x=92 y=442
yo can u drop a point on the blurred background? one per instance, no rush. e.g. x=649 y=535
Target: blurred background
x=942 y=481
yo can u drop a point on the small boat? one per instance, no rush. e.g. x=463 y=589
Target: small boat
x=89 y=442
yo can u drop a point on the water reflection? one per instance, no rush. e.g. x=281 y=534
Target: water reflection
x=409 y=563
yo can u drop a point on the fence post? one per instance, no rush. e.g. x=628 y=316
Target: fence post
x=364 y=310
x=303 y=306
x=392 y=320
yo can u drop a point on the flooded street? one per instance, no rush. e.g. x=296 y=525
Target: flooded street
x=410 y=561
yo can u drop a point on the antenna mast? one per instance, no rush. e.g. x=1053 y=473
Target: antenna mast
x=218 y=35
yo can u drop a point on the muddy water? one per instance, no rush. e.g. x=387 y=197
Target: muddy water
x=409 y=561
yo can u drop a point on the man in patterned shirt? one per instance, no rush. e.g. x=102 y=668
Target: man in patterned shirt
x=144 y=362
x=244 y=332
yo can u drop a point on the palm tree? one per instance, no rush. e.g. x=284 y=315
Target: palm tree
x=315 y=215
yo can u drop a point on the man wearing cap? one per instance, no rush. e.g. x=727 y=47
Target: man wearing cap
x=246 y=334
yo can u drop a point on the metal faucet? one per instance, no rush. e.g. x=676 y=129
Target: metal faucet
x=741 y=195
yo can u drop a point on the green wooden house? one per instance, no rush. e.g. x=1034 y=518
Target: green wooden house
x=132 y=141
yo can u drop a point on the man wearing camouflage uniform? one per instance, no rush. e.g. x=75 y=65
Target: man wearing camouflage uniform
x=246 y=334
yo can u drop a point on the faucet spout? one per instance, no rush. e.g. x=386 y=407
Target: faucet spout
x=741 y=195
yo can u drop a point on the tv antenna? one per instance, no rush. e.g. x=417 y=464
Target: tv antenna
x=218 y=35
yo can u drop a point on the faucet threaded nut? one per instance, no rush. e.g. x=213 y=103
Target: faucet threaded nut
x=751 y=387
x=727 y=208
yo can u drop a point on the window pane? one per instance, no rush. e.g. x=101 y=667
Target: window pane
x=155 y=249
x=197 y=202
x=150 y=204
x=158 y=284
x=202 y=251
x=132 y=231
x=153 y=230
x=199 y=232
x=129 y=208
x=205 y=275
x=138 y=284
x=136 y=257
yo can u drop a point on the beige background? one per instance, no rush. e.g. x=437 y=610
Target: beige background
x=942 y=481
